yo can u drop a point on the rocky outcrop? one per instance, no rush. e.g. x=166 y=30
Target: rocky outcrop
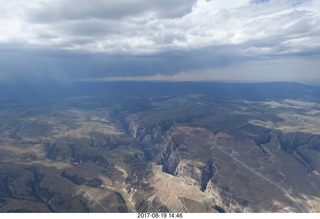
x=224 y=200
x=153 y=140
x=293 y=143
x=206 y=174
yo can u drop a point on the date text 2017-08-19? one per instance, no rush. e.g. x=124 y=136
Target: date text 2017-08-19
x=159 y=215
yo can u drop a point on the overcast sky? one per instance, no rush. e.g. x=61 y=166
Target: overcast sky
x=237 y=40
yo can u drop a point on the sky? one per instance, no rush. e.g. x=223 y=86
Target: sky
x=170 y=40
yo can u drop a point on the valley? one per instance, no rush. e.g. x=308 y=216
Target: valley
x=184 y=151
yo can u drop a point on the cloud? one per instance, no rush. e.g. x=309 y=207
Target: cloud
x=259 y=1
x=150 y=26
x=56 y=64
x=77 y=38
x=60 y=10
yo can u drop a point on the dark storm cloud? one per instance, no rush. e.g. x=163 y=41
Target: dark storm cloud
x=38 y=65
x=79 y=39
